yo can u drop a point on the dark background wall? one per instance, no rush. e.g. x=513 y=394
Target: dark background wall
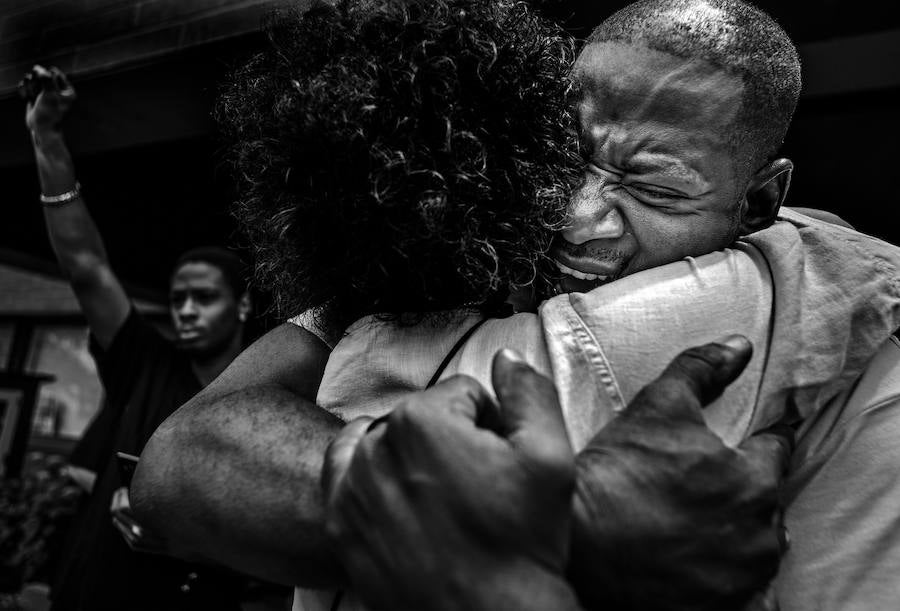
x=146 y=73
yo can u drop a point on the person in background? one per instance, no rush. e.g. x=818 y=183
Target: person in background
x=108 y=563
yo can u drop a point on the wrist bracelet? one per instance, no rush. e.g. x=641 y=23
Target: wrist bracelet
x=62 y=198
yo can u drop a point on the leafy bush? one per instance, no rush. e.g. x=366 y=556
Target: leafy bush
x=34 y=513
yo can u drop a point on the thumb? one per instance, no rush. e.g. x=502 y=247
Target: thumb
x=340 y=452
x=62 y=83
x=694 y=379
x=707 y=370
x=529 y=415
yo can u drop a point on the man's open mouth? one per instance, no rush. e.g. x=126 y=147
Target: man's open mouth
x=584 y=267
x=575 y=280
x=579 y=274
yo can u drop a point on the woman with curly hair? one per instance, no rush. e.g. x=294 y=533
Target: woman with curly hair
x=399 y=156
x=392 y=157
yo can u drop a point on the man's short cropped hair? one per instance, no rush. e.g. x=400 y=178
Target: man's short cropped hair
x=229 y=263
x=739 y=38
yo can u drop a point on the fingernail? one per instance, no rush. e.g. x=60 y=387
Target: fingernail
x=376 y=422
x=737 y=342
x=512 y=355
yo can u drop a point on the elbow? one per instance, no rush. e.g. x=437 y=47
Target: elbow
x=169 y=491
x=158 y=494
x=151 y=490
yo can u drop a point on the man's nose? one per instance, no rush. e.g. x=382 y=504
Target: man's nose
x=187 y=309
x=593 y=214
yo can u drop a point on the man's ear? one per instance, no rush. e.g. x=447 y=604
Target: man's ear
x=765 y=193
x=245 y=306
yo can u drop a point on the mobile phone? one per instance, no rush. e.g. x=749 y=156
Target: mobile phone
x=127 y=464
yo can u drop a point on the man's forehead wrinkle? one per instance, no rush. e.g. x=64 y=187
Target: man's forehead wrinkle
x=642 y=82
x=677 y=167
x=693 y=81
x=660 y=93
x=644 y=151
x=683 y=82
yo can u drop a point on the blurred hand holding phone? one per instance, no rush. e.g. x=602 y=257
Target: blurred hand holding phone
x=136 y=536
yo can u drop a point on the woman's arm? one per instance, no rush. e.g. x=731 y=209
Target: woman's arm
x=233 y=475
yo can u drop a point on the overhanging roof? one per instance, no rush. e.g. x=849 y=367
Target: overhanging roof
x=36 y=293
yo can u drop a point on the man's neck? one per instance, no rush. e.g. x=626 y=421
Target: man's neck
x=208 y=367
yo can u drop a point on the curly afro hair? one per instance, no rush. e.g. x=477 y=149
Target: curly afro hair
x=401 y=156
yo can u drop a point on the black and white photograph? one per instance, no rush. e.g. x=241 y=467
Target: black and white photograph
x=449 y=305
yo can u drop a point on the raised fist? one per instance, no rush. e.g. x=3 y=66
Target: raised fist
x=49 y=95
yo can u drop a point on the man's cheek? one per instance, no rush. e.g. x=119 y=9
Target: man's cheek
x=219 y=319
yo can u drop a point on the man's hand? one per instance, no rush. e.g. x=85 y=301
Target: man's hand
x=665 y=515
x=49 y=95
x=454 y=502
x=136 y=536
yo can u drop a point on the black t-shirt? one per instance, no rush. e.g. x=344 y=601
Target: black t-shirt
x=96 y=444
x=146 y=379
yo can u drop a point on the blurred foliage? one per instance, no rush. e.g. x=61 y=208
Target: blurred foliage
x=34 y=513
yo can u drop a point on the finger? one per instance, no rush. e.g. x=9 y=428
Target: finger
x=379 y=421
x=530 y=415
x=423 y=422
x=30 y=87
x=707 y=370
x=62 y=82
x=459 y=396
x=44 y=77
x=25 y=87
x=340 y=452
x=770 y=451
x=116 y=499
x=695 y=378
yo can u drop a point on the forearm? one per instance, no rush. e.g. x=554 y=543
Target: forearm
x=73 y=234
x=56 y=170
x=235 y=479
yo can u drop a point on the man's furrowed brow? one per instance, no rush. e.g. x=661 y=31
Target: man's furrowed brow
x=665 y=165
